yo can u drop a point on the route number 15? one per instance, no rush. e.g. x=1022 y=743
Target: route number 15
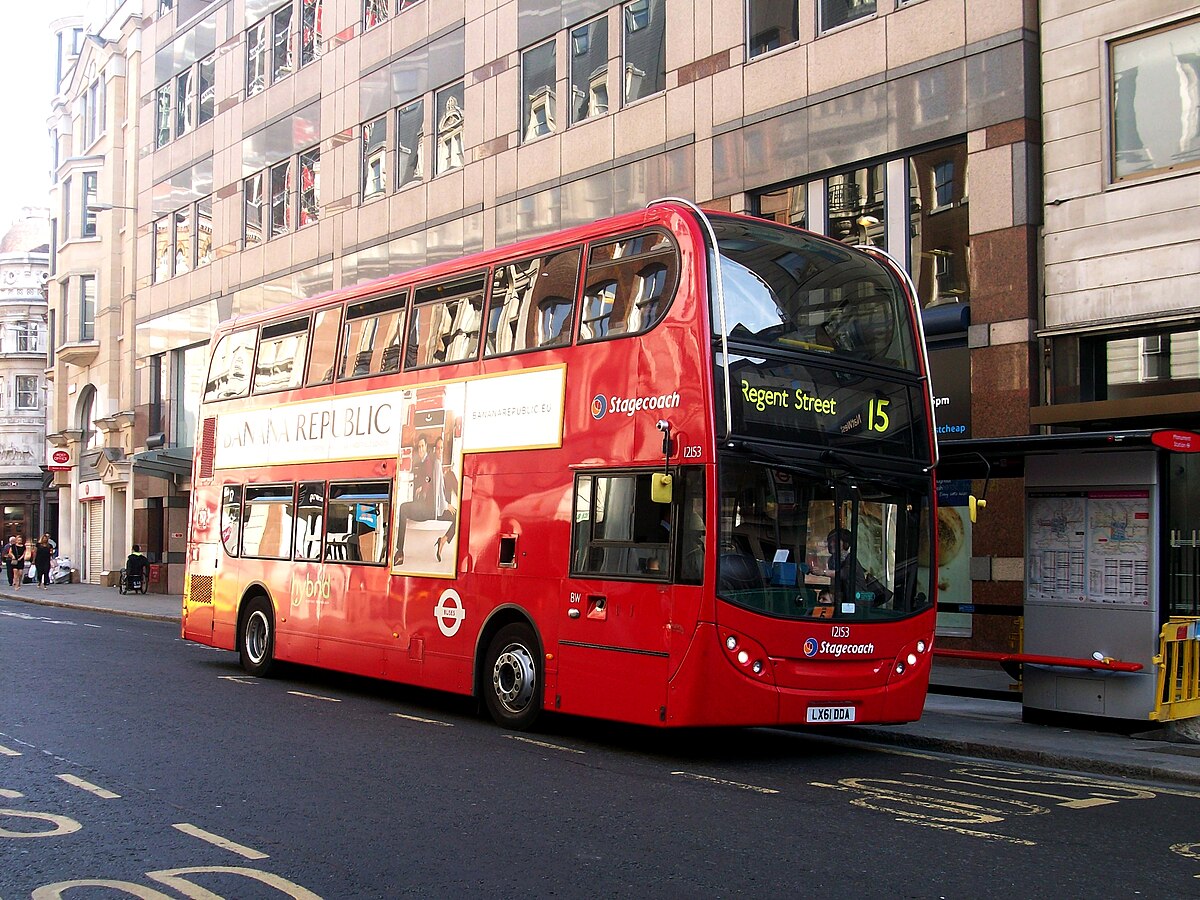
x=877 y=417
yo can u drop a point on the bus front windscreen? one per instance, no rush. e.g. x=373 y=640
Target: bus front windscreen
x=794 y=547
x=787 y=290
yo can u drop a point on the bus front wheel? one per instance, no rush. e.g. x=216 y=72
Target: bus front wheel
x=257 y=646
x=513 y=678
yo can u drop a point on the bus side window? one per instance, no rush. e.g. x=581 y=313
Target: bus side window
x=310 y=520
x=619 y=531
x=323 y=356
x=630 y=283
x=282 y=349
x=374 y=336
x=231 y=518
x=447 y=322
x=531 y=303
x=357 y=524
x=229 y=372
x=267 y=521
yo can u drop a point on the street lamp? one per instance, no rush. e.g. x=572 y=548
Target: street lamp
x=105 y=207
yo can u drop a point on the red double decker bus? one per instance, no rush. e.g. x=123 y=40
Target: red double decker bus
x=672 y=468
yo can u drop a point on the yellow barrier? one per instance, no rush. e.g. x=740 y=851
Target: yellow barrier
x=1178 y=663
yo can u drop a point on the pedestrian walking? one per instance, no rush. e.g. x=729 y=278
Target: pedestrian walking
x=8 y=560
x=17 y=551
x=43 y=551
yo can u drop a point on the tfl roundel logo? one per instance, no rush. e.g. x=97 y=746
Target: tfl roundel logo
x=599 y=406
x=810 y=647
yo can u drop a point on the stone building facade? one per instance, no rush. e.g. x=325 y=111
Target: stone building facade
x=24 y=263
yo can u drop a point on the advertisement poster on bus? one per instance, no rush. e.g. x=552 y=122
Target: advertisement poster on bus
x=428 y=481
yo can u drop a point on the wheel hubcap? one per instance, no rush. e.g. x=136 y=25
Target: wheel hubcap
x=513 y=678
x=257 y=630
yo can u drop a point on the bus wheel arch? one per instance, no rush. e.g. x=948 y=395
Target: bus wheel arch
x=510 y=673
x=256 y=633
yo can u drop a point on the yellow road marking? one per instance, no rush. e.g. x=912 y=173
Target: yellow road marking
x=89 y=787
x=218 y=841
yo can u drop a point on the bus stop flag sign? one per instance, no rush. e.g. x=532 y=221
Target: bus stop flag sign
x=1178 y=441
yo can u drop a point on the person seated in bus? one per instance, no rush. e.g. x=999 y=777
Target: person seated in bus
x=135 y=567
x=848 y=578
x=824 y=607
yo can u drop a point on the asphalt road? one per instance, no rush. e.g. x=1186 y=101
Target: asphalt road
x=132 y=763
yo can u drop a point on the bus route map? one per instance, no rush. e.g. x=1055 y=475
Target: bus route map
x=1089 y=547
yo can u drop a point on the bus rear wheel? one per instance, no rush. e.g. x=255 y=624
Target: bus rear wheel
x=513 y=677
x=257 y=645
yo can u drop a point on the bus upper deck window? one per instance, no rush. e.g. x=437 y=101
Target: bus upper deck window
x=531 y=303
x=630 y=283
x=232 y=360
x=282 y=350
x=323 y=356
x=447 y=322
x=374 y=336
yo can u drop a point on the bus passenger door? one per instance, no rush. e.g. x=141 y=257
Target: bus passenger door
x=614 y=643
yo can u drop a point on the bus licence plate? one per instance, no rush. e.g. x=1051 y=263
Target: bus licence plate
x=829 y=715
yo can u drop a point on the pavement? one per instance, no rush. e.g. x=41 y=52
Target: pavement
x=971 y=712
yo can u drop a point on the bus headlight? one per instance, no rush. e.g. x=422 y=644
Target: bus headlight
x=747 y=656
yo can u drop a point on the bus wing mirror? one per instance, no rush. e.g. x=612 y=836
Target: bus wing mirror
x=660 y=488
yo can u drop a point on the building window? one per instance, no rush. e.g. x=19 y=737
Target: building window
x=94 y=111
x=165 y=7
x=374 y=12
x=66 y=211
x=1155 y=101
x=855 y=205
x=206 y=88
x=186 y=101
x=310 y=187
x=252 y=209
x=27 y=392
x=450 y=117
x=87 y=307
x=183 y=239
x=835 y=13
x=311 y=47
x=256 y=58
x=292 y=205
x=162 y=131
x=770 y=25
x=281 y=44
x=645 y=30
x=27 y=337
x=88 y=228
x=410 y=143
x=374 y=158
x=537 y=90
x=938 y=226
x=589 y=70
x=281 y=198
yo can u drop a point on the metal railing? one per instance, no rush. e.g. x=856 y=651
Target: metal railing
x=1178 y=662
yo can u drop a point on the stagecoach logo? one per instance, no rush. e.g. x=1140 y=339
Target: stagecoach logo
x=599 y=406
x=449 y=612
x=810 y=647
